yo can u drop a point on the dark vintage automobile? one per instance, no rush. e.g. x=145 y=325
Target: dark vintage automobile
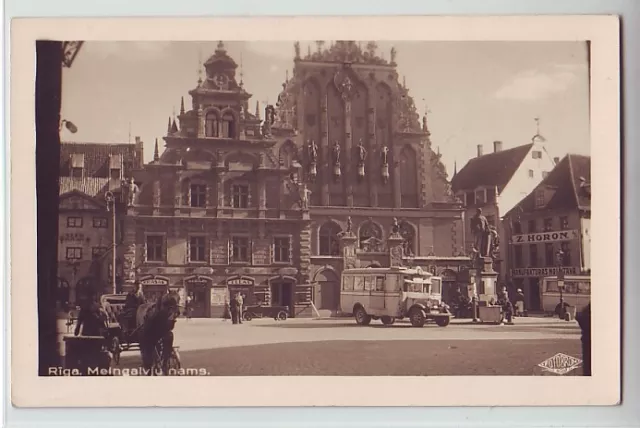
x=278 y=313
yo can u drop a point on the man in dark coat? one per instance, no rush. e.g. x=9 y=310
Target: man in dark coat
x=133 y=301
x=584 y=321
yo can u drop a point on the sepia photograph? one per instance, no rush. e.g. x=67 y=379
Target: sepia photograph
x=315 y=208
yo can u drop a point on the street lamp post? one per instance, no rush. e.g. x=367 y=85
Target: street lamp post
x=559 y=263
x=111 y=206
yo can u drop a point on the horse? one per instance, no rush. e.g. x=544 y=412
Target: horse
x=155 y=322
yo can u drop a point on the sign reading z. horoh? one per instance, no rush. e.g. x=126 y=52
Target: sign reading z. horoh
x=532 y=238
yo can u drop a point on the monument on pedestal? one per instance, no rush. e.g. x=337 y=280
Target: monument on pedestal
x=485 y=249
x=395 y=244
x=348 y=241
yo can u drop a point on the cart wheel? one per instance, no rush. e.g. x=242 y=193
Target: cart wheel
x=247 y=316
x=282 y=316
x=417 y=317
x=174 y=360
x=386 y=320
x=443 y=321
x=116 y=349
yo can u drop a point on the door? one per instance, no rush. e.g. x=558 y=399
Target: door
x=199 y=302
x=534 y=294
x=328 y=290
x=282 y=295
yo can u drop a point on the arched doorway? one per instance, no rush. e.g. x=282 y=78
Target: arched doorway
x=327 y=292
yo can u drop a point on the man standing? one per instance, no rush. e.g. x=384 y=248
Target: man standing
x=233 y=308
x=239 y=303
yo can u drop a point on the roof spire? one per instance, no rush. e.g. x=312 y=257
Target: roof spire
x=455 y=168
x=538 y=137
x=169 y=126
x=286 y=76
x=174 y=127
x=199 y=65
x=258 y=110
x=220 y=48
x=241 y=71
x=181 y=105
x=156 y=154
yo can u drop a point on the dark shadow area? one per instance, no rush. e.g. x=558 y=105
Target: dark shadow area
x=48 y=97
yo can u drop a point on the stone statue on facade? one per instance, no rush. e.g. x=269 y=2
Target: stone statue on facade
x=395 y=227
x=336 y=153
x=313 y=151
x=305 y=195
x=132 y=191
x=362 y=152
x=481 y=233
x=393 y=55
x=296 y=47
x=349 y=226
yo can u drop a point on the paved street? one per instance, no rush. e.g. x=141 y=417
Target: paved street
x=340 y=347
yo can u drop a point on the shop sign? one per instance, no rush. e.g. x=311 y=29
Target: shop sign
x=448 y=275
x=198 y=280
x=154 y=281
x=532 y=238
x=537 y=272
x=240 y=281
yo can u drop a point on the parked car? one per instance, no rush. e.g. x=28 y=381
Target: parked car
x=278 y=313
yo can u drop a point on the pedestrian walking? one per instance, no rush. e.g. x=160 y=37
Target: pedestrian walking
x=187 y=306
x=507 y=307
x=239 y=303
x=519 y=303
x=233 y=307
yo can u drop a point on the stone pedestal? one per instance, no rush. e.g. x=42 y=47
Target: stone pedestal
x=486 y=280
x=348 y=249
x=396 y=249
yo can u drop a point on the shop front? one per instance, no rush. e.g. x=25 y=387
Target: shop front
x=198 y=288
x=153 y=287
x=530 y=281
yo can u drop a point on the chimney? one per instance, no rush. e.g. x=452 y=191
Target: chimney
x=479 y=150
x=556 y=160
x=497 y=146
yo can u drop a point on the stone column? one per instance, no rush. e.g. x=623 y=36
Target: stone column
x=326 y=167
x=348 y=248
x=397 y=188
x=200 y=119
x=396 y=249
x=348 y=148
x=374 y=155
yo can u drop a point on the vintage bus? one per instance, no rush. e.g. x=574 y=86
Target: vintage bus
x=576 y=292
x=393 y=293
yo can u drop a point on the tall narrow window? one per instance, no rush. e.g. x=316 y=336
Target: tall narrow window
x=155 y=248
x=532 y=226
x=197 y=249
x=198 y=195
x=227 y=130
x=548 y=224
x=549 y=254
x=240 y=196
x=75 y=222
x=328 y=237
x=564 y=223
x=533 y=255
x=517 y=255
x=240 y=249
x=281 y=250
x=566 y=254
x=211 y=124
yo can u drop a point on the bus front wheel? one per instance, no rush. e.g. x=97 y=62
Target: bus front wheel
x=361 y=316
x=417 y=317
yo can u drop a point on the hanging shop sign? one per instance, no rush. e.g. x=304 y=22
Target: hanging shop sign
x=533 y=238
x=537 y=272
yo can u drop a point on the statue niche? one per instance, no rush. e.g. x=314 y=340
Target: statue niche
x=370 y=238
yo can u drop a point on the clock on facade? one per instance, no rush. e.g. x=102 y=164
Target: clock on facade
x=220 y=80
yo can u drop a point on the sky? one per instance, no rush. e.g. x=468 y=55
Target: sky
x=474 y=92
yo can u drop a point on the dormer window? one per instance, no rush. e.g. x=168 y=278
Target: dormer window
x=540 y=200
x=115 y=167
x=480 y=197
x=77 y=165
x=211 y=124
x=536 y=154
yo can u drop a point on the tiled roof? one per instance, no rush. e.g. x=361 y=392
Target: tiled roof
x=564 y=187
x=493 y=169
x=92 y=186
x=96 y=157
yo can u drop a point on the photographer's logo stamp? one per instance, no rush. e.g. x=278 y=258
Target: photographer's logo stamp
x=560 y=364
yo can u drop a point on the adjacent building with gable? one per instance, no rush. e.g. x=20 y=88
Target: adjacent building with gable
x=555 y=217
x=496 y=182
x=87 y=172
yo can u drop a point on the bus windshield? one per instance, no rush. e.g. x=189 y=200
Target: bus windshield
x=416 y=284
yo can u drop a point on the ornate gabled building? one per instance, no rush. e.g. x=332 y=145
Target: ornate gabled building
x=236 y=202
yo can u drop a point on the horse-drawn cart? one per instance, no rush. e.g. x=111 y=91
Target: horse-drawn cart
x=123 y=331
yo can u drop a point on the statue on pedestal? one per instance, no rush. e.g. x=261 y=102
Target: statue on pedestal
x=336 y=160
x=482 y=234
x=362 y=155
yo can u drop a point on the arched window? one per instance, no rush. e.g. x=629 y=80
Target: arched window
x=408 y=233
x=211 y=124
x=370 y=237
x=408 y=178
x=228 y=123
x=328 y=237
